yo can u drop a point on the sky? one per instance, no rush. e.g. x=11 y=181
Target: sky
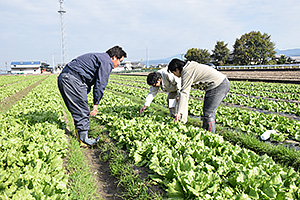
x=30 y=29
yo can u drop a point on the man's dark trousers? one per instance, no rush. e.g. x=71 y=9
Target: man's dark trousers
x=74 y=93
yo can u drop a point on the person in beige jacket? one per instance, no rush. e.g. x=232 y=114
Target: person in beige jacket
x=203 y=77
x=168 y=83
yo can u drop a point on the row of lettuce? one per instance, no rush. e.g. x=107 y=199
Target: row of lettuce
x=33 y=145
x=249 y=121
x=190 y=163
x=7 y=80
x=19 y=83
x=254 y=96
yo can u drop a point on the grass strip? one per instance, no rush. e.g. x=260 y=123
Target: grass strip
x=81 y=182
x=279 y=153
x=122 y=167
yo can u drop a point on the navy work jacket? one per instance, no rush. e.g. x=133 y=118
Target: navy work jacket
x=93 y=69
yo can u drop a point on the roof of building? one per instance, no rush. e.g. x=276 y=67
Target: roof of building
x=26 y=63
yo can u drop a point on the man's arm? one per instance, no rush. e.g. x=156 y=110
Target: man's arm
x=150 y=97
x=101 y=82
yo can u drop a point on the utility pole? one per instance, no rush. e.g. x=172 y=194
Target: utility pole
x=63 y=51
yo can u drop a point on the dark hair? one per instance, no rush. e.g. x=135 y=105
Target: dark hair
x=116 y=51
x=176 y=64
x=153 y=77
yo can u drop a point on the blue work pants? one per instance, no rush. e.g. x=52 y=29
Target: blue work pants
x=213 y=99
x=74 y=93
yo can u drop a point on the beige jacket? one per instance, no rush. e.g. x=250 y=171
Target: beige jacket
x=169 y=83
x=198 y=75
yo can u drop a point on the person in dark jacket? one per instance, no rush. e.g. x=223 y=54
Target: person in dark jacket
x=75 y=82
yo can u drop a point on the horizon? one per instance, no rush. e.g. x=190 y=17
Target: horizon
x=159 y=60
x=30 y=30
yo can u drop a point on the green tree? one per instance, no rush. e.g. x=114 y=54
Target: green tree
x=220 y=53
x=282 y=60
x=253 y=48
x=198 y=55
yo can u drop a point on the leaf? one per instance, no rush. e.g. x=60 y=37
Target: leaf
x=269 y=191
x=175 y=191
x=241 y=178
x=187 y=164
x=253 y=193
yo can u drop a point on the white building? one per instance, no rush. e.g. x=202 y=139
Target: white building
x=29 y=67
x=128 y=65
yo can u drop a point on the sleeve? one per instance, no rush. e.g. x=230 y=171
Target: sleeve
x=172 y=79
x=178 y=82
x=151 y=95
x=185 y=93
x=101 y=82
x=173 y=83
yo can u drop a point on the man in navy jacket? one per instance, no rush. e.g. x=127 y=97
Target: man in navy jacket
x=75 y=82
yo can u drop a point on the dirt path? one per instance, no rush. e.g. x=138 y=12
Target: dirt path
x=11 y=100
x=106 y=183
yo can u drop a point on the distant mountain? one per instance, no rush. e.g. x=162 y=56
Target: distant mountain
x=163 y=60
x=288 y=52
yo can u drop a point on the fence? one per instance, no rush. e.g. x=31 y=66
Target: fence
x=283 y=66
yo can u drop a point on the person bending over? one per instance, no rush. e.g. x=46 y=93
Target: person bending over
x=215 y=84
x=168 y=83
x=75 y=82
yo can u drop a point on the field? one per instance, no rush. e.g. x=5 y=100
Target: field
x=148 y=155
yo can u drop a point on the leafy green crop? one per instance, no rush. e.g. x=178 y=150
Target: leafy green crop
x=191 y=163
x=33 y=146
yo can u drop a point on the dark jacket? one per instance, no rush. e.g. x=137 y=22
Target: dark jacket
x=92 y=69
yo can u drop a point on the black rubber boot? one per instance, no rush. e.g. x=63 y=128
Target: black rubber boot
x=82 y=137
x=209 y=124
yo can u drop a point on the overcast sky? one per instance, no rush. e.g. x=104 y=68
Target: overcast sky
x=30 y=29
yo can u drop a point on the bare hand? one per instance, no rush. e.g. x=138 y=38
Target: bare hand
x=177 y=117
x=143 y=108
x=94 y=111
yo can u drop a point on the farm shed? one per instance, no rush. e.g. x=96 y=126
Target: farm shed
x=28 y=67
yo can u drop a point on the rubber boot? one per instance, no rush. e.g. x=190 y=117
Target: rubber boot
x=209 y=124
x=82 y=137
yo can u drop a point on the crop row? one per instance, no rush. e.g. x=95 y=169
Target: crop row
x=271 y=87
x=259 y=103
x=244 y=98
x=33 y=146
x=251 y=92
x=17 y=86
x=6 y=80
x=191 y=163
x=239 y=85
x=252 y=122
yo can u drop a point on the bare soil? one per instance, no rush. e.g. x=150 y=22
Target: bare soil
x=280 y=75
x=107 y=185
x=264 y=75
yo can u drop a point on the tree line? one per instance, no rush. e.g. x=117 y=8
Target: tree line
x=252 y=48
